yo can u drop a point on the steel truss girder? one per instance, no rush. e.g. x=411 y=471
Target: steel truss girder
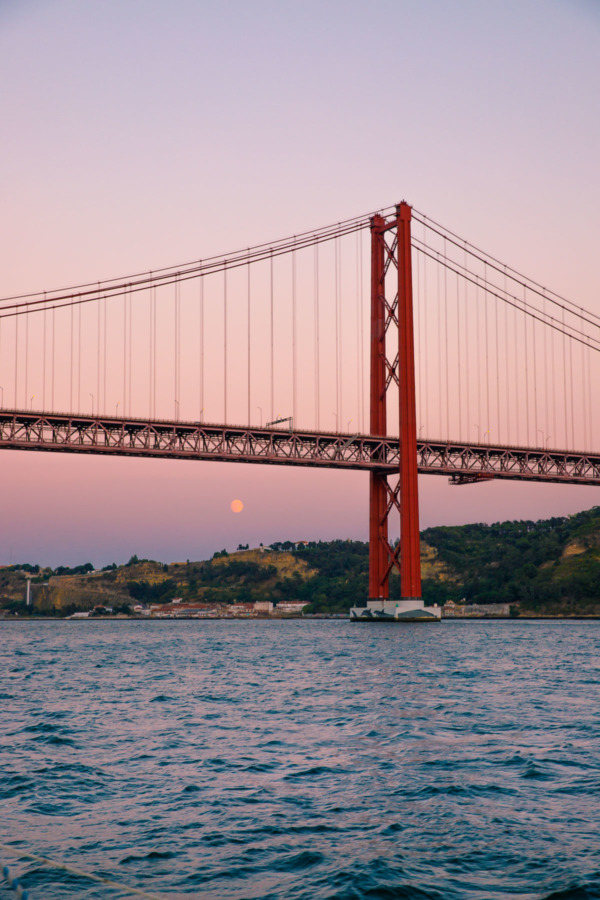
x=23 y=430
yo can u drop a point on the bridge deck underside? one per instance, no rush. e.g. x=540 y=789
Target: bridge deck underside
x=20 y=430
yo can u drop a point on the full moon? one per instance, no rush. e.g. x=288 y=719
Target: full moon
x=236 y=506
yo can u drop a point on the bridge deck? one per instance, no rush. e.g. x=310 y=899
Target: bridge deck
x=462 y=462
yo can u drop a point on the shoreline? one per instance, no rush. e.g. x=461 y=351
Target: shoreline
x=316 y=618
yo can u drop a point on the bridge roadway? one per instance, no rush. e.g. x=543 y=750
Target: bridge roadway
x=461 y=462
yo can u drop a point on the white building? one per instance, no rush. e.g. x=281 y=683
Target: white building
x=291 y=606
x=263 y=606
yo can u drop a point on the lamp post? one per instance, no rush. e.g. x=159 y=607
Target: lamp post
x=261 y=417
x=92 y=396
x=117 y=408
x=2 y=400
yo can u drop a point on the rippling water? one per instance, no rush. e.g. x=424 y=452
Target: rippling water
x=303 y=759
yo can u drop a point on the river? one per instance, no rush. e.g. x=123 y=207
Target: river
x=253 y=759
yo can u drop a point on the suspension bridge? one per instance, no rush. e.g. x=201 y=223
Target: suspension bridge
x=383 y=343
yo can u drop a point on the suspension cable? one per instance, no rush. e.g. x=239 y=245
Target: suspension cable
x=496 y=264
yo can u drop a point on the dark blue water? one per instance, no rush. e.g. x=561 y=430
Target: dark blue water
x=303 y=759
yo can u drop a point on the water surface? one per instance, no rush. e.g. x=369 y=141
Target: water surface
x=233 y=760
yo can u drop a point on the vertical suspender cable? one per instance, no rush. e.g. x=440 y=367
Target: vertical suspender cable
x=516 y=351
x=478 y=373
x=249 y=341
x=341 y=324
x=546 y=416
x=125 y=353
x=16 y=359
x=71 y=372
x=426 y=360
x=131 y=369
x=460 y=431
x=150 y=359
x=154 y=353
x=98 y=356
x=358 y=345
x=419 y=338
x=104 y=406
x=446 y=341
x=467 y=350
x=44 y=358
x=565 y=379
x=225 y=343
x=439 y=347
x=555 y=394
x=317 y=338
x=201 y=366
x=589 y=398
x=571 y=392
x=498 y=425
x=26 y=361
x=487 y=354
x=583 y=395
x=507 y=368
x=535 y=411
x=362 y=341
x=526 y=367
x=149 y=348
x=176 y=359
x=272 y=344
x=294 y=340
x=337 y=329
x=179 y=347
x=79 y=359
x=53 y=354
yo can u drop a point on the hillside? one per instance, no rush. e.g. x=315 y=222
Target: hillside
x=550 y=567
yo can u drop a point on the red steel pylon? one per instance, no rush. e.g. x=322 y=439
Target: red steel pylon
x=391 y=255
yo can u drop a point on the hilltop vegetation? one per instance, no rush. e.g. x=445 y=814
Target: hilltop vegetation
x=546 y=567
x=550 y=567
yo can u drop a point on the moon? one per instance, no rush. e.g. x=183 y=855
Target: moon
x=236 y=506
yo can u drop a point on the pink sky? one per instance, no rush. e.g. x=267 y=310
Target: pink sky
x=140 y=135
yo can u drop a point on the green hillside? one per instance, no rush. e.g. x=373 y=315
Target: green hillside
x=550 y=567
x=546 y=567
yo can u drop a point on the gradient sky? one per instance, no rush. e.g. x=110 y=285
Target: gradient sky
x=141 y=134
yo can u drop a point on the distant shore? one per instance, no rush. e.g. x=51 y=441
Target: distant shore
x=308 y=618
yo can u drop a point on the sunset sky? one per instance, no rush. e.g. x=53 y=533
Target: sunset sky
x=143 y=134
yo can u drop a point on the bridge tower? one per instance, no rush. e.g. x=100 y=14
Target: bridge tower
x=393 y=366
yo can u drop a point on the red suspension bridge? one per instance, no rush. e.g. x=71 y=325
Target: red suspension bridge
x=388 y=313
